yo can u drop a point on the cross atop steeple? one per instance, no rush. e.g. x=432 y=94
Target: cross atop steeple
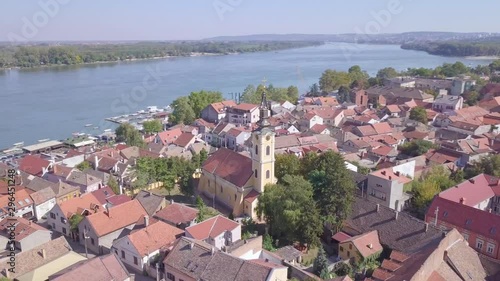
x=264 y=81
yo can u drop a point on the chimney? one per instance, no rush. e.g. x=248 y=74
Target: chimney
x=171 y=201
x=107 y=209
x=390 y=178
x=44 y=254
x=397 y=173
x=378 y=208
x=383 y=173
x=121 y=189
x=462 y=200
x=472 y=180
x=146 y=221
x=396 y=216
x=489 y=211
x=426 y=227
x=213 y=251
x=96 y=160
x=370 y=246
x=191 y=246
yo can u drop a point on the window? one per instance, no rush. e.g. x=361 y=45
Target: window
x=255 y=173
x=235 y=197
x=74 y=195
x=268 y=150
x=348 y=254
x=268 y=174
x=64 y=230
x=52 y=215
x=350 y=246
x=53 y=226
x=92 y=241
x=208 y=183
x=221 y=189
x=466 y=236
x=170 y=276
x=135 y=261
x=116 y=252
x=490 y=248
x=123 y=254
x=63 y=220
x=256 y=150
x=479 y=244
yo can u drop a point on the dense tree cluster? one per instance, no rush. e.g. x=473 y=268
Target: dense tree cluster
x=456 y=49
x=187 y=109
x=130 y=135
x=320 y=191
x=153 y=126
x=416 y=147
x=253 y=95
x=38 y=55
x=332 y=80
x=419 y=114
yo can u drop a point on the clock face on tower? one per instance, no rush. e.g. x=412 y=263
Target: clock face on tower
x=268 y=137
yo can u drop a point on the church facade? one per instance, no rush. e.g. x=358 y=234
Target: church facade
x=236 y=180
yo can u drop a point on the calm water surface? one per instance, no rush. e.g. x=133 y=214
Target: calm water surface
x=55 y=102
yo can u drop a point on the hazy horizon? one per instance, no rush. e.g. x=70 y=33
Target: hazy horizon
x=160 y=20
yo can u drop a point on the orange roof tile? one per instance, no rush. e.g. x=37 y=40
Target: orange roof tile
x=154 y=237
x=367 y=244
x=212 y=227
x=79 y=204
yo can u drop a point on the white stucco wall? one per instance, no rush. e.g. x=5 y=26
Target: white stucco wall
x=44 y=208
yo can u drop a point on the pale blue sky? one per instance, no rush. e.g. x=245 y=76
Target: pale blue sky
x=197 y=19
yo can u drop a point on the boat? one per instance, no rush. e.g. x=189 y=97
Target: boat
x=107 y=130
x=88 y=125
x=19 y=144
x=43 y=140
x=95 y=128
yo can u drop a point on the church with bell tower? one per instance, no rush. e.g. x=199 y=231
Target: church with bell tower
x=236 y=180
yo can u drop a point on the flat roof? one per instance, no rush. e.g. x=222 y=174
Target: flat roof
x=42 y=145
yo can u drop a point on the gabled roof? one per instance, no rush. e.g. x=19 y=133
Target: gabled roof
x=189 y=257
x=393 y=108
x=244 y=107
x=79 y=204
x=473 y=191
x=102 y=194
x=105 y=268
x=382 y=128
x=229 y=165
x=211 y=228
x=367 y=130
x=150 y=201
x=251 y=196
x=33 y=164
x=219 y=107
x=83 y=179
x=62 y=171
x=43 y=195
x=389 y=174
x=23 y=228
x=460 y=215
x=168 y=137
x=61 y=188
x=366 y=243
x=118 y=217
x=22 y=200
x=184 y=139
x=154 y=237
x=177 y=214
x=318 y=128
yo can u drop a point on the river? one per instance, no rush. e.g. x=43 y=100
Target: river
x=54 y=102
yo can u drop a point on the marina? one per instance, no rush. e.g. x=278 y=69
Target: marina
x=136 y=119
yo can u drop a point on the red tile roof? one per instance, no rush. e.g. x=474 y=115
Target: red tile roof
x=472 y=191
x=382 y=128
x=383 y=150
x=341 y=236
x=79 y=204
x=184 y=139
x=367 y=244
x=219 y=106
x=168 y=137
x=102 y=194
x=229 y=165
x=154 y=237
x=33 y=164
x=318 y=128
x=367 y=130
x=252 y=196
x=62 y=171
x=388 y=174
x=119 y=217
x=245 y=106
x=212 y=228
x=398 y=256
x=23 y=228
x=381 y=275
x=177 y=213
x=465 y=217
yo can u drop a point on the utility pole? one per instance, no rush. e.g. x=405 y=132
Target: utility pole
x=85 y=237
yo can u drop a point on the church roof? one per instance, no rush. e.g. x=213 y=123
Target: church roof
x=229 y=165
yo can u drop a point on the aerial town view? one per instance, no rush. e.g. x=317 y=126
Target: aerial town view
x=220 y=140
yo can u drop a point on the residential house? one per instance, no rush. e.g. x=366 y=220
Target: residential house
x=34 y=165
x=392 y=110
x=360 y=247
x=460 y=86
x=433 y=84
x=400 y=82
x=359 y=97
x=479 y=228
x=325 y=101
x=331 y=116
x=218 y=231
x=28 y=235
x=178 y=215
x=72 y=158
x=218 y=136
x=446 y=103
x=490 y=90
x=151 y=202
x=469 y=127
x=192 y=260
x=320 y=129
x=59 y=217
x=23 y=204
x=204 y=127
x=64 y=191
x=386 y=187
x=101 y=228
x=104 y=268
x=167 y=137
x=185 y=140
x=216 y=112
x=44 y=200
x=288 y=105
x=42 y=261
x=140 y=247
x=104 y=164
x=243 y=113
x=236 y=137
x=85 y=182
x=310 y=119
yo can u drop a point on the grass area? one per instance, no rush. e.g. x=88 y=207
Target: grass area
x=308 y=258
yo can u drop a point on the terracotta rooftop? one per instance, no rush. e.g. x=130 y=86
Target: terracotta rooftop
x=79 y=204
x=211 y=228
x=104 y=268
x=184 y=139
x=220 y=106
x=119 y=217
x=367 y=244
x=177 y=214
x=318 y=128
x=382 y=128
x=473 y=191
x=229 y=165
x=251 y=196
x=22 y=200
x=33 y=164
x=245 y=107
x=23 y=227
x=388 y=174
x=168 y=137
x=341 y=236
x=102 y=194
x=154 y=237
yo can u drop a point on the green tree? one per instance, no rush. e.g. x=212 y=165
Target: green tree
x=288 y=209
x=250 y=95
x=74 y=221
x=343 y=95
x=200 y=100
x=307 y=163
x=286 y=164
x=314 y=91
x=267 y=243
x=84 y=166
x=387 y=73
x=489 y=165
x=333 y=186
x=130 y=135
x=418 y=114
x=153 y=126
x=416 y=147
x=202 y=209
x=320 y=263
x=424 y=191
x=495 y=65
x=182 y=112
x=359 y=78
x=471 y=98
x=331 y=80
x=114 y=184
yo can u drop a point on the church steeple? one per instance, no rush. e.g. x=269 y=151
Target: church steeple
x=265 y=112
